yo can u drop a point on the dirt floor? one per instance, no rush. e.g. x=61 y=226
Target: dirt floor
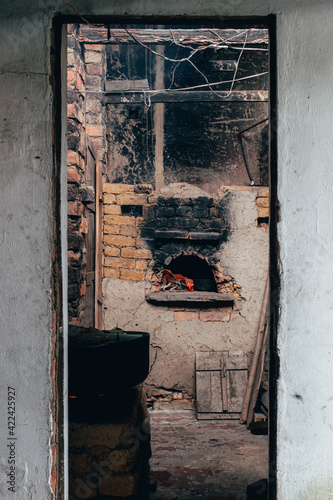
x=210 y=460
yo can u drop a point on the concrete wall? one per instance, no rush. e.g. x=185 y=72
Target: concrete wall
x=304 y=38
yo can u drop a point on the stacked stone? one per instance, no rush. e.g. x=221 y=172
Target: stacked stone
x=126 y=254
x=76 y=161
x=194 y=219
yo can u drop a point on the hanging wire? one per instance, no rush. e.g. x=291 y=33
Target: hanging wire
x=237 y=65
x=147 y=100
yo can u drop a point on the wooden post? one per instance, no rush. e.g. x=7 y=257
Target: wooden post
x=256 y=354
x=159 y=122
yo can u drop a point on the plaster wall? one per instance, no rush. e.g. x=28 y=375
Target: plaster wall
x=305 y=61
x=177 y=333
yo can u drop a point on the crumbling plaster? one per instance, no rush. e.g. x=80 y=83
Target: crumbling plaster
x=304 y=127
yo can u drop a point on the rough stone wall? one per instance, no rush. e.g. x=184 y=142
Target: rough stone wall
x=132 y=263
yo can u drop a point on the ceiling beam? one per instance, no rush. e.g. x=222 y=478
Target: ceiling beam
x=202 y=36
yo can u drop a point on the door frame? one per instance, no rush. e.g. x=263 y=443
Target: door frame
x=60 y=272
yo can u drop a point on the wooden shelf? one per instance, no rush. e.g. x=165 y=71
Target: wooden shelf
x=194 y=298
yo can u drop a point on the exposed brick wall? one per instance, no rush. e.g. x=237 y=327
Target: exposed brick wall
x=95 y=61
x=85 y=115
x=262 y=204
x=126 y=254
x=76 y=161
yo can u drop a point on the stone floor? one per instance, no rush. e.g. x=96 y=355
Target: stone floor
x=210 y=460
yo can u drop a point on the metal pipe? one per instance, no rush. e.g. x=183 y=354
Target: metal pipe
x=243 y=149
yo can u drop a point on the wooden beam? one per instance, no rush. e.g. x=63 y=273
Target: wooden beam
x=188 y=96
x=161 y=298
x=200 y=36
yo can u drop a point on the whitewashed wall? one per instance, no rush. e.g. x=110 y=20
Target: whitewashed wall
x=305 y=67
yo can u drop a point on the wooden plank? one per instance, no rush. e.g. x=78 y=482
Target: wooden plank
x=208 y=361
x=216 y=404
x=224 y=387
x=126 y=85
x=188 y=297
x=187 y=96
x=256 y=354
x=208 y=391
x=236 y=387
x=236 y=360
x=258 y=377
x=179 y=35
x=221 y=378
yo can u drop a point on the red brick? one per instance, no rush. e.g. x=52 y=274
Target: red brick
x=73 y=175
x=186 y=316
x=111 y=229
x=94 y=107
x=141 y=265
x=94 y=69
x=74 y=208
x=109 y=199
x=92 y=56
x=127 y=231
x=94 y=119
x=70 y=58
x=213 y=315
x=112 y=210
x=131 y=274
x=263 y=193
x=117 y=240
x=81 y=86
x=226 y=309
x=123 y=220
x=83 y=226
x=109 y=272
x=119 y=262
x=95 y=130
x=71 y=77
x=136 y=253
x=140 y=243
x=99 y=142
x=95 y=46
x=83 y=289
x=73 y=257
x=131 y=199
x=118 y=188
x=262 y=202
x=73 y=158
x=94 y=83
x=73 y=111
x=263 y=212
x=112 y=251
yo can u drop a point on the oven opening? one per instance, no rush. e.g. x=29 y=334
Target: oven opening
x=196 y=269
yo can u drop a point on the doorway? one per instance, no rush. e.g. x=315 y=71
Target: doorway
x=183 y=154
